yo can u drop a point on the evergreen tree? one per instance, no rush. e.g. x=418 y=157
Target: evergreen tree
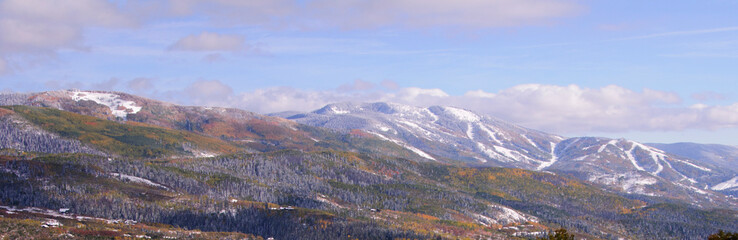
x=559 y=234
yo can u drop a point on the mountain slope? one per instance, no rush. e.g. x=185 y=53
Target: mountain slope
x=635 y=168
x=250 y=131
x=719 y=155
x=439 y=133
x=130 y=140
x=723 y=156
x=449 y=134
x=258 y=131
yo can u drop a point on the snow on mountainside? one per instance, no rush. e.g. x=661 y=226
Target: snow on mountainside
x=441 y=132
x=94 y=103
x=449 y=133
x=731 y=184
x=256 y=131
x=632 y=167
x=118 y=107
x=719 y=155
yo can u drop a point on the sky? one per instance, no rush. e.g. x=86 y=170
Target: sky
x=652 y=71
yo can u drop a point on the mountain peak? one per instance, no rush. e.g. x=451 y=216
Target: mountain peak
x=459 y=113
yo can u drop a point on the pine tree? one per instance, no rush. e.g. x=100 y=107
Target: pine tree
x=559 y=234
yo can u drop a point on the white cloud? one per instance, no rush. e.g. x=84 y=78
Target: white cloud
x=32 y=26
x=208 y=93
x=37 y=29
x=360 y=14
x=559 y=109
x=208 y=41
x=285 y=99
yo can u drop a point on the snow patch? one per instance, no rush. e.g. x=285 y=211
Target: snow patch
x=630 y=183
x=604 y=146
x=726 y=185
x=324 y=199
x=137 y=180
x=490 y=153
x=656 y=155
x=507 y=215
x=461 y=114
x=426 y=133
x=383 y=128
x=118 y=107
x=335 y=110
x=407 y=146
x=431 y=114
x=419 y=152
x=491 y=134
x=203 y=154
x=48 y=212
x=484 y=220
x=694 y=165
x=469 y=132
x=629 y=154
x=507 y=152
x=529 y=140
x=554 y=158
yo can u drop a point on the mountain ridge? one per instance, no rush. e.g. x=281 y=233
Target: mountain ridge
x=480 y=140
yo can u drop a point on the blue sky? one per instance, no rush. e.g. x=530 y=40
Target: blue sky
x=653 y=71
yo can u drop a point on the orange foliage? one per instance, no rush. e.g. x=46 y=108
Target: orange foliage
x=4 y=112
x=466 y=172
x=268 y=130
x=323 y=224
x=359 y=133
x=519 y=172
x=220 y=129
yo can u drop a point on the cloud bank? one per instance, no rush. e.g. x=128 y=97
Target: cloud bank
x=559 y=109
x=40 y=28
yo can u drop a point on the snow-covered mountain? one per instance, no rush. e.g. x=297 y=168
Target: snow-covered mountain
x=453 y=134
x=442 y=133
x=636 y=168
x=719 y=155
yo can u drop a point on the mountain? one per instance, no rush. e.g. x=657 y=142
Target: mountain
x=106 y=159
x=441 y=133
x=451 y=134
x=635 y=168
x=250 y=132
x=723 y=156
x=253 y=130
